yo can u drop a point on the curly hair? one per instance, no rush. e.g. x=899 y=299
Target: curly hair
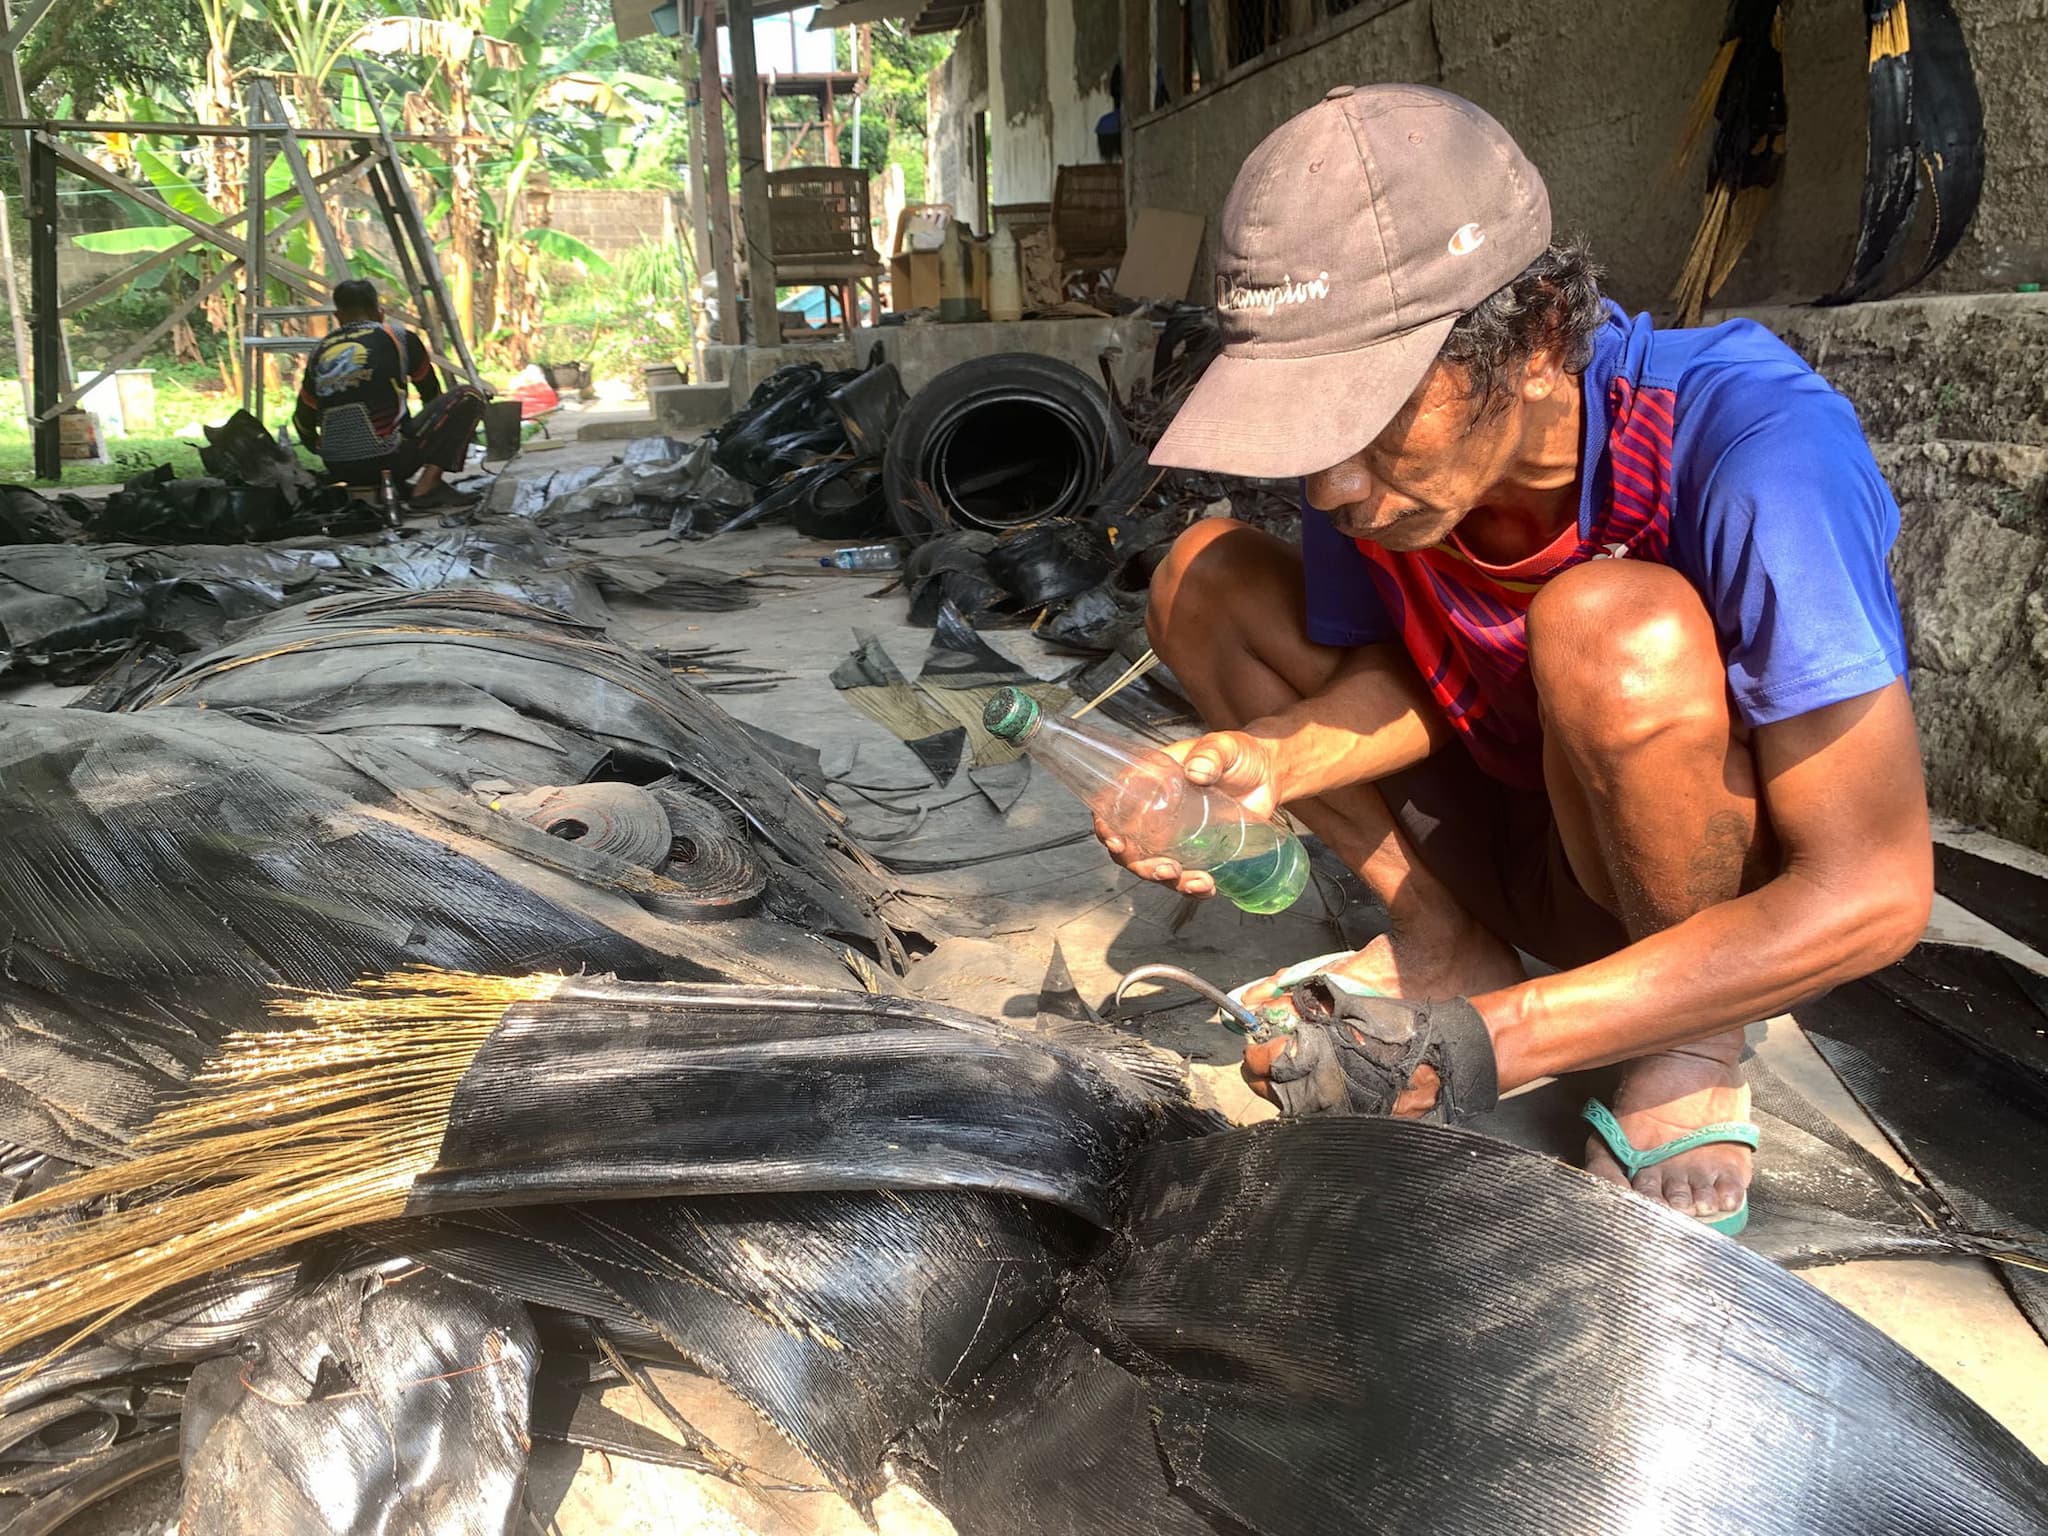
x=1553 y=305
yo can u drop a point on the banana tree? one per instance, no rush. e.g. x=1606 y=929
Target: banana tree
x=551 y=99
x=315 y=35
x=444 y=45
x=538 y=102
x=154 y=233
x=215 y=102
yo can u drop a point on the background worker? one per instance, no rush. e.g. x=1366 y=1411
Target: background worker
x=352 y=405
x=1589 y=649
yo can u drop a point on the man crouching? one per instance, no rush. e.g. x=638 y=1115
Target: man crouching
x=1589 y=649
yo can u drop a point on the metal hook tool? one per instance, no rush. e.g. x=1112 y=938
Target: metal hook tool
x=1235 y=1014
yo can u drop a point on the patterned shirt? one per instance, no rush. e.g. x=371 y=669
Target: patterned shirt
x=352 y=398
x=1716 y=452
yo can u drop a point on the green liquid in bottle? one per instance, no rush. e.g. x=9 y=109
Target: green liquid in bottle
x=1266 y=882
x=1257 y=866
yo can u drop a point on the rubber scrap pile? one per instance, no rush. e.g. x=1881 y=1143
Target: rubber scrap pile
x=165 y=568
x=1017 y=487
x=521 y=1027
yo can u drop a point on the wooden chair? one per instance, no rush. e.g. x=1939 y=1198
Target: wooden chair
x=819 y=232
x=1088 y=218
x=922 y=227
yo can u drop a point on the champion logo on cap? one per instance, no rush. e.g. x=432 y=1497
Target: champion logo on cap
x=1467 y=240
x=1231 y=294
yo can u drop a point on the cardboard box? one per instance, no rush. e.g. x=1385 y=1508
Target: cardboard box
x=914 y=281
x=1159 y=262
x=914 y=278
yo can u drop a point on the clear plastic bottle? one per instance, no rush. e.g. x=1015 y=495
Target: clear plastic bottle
x=865 y=557
x=1142 y=795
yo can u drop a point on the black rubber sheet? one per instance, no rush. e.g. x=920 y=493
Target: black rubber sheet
x=161 y=874
x=67 y=610
x=1948 y=1051
x=299 y=809
x=2004 y=895
x=610 y=1089
x=840 y=1318
x=360 y=667
x=376 y=1405
x=1354 y=1324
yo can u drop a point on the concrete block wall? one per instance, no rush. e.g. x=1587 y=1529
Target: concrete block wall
x=612 y=220
x=1597 y=92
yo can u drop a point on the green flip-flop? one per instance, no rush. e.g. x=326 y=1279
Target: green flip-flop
x=1740 y=1132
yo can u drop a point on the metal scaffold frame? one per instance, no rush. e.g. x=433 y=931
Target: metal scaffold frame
x=374 y=158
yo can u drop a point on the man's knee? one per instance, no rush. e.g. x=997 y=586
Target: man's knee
x=1214 y=567
x=1622 y=651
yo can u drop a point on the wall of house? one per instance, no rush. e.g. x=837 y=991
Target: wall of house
x=1041 y=70
x=958 y=92
x=1597 y=92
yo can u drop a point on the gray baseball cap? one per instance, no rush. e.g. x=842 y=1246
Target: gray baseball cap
x=1355 y=236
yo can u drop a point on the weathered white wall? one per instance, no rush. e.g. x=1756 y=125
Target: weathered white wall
x=959 y=90
x=1080 y=53
x=1020 y=115
x=1044 y=73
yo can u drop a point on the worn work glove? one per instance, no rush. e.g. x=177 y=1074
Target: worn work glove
x=1354 y=1054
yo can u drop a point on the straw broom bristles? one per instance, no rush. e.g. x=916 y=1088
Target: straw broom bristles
x=285 y=1136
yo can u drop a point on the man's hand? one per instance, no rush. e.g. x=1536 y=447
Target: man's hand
x=1370 y=967
x=1416 y=1100
x=1356 y=1053
x=1243 y=767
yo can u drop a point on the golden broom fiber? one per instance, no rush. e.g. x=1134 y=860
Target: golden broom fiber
x=1728 y=217
x=285 y=1136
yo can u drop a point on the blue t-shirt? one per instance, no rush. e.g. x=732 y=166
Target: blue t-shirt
x=1717 y=452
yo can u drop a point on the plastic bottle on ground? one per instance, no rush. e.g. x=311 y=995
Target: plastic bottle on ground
x=1142 y=796
x=865 y=557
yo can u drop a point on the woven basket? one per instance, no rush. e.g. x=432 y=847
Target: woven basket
x=819 y=213
x=1088 y=215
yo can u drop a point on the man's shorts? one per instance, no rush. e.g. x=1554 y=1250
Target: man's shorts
x=1497 y=848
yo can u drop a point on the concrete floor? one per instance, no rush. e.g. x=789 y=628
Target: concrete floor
x=1953 y=1314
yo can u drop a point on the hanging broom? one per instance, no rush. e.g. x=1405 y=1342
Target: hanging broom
x=430 y=1092
x=1743 y=95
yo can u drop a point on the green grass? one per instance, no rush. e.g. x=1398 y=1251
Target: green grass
x=185 y=396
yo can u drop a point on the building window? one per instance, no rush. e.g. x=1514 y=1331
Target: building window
x=1200 y=43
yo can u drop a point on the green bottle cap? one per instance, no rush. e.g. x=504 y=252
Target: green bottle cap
x=1012 y=714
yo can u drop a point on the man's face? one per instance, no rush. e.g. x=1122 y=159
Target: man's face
x=1432 y=466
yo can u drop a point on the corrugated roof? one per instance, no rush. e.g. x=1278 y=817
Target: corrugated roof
x=944 y=15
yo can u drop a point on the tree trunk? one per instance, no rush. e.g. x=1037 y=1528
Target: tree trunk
x=227 y=181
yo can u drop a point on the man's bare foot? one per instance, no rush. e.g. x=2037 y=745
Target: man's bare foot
x=1460 y=963
x=1451 y=962
x=1672 y=1094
